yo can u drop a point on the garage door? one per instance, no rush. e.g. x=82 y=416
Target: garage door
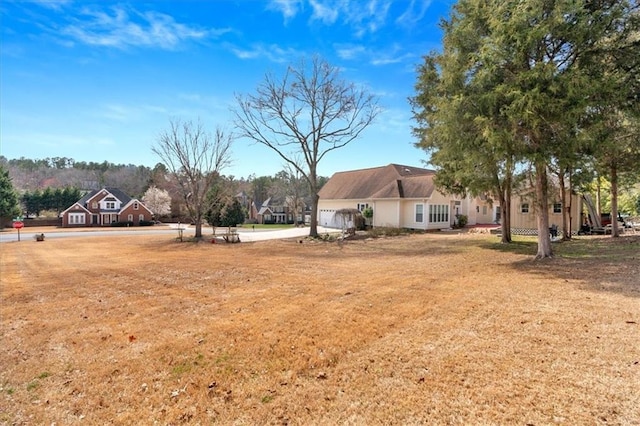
x=328 y=219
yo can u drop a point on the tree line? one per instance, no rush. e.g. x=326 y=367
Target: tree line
x=58 y=200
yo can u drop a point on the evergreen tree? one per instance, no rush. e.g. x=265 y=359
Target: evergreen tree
x=510 y=89
x=232 y=214
x=9 y=200
x=32 y=203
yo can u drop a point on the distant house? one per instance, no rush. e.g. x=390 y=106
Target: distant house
x=247 y=203
x=400 y=196
x=103 y=207
x=274 y=210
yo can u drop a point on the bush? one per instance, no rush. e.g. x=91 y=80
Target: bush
x=121 y=224
x=147 y=223
x=383 y=231
x=461 y=220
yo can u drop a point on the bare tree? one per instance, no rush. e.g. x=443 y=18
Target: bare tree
x=195 y=160
x=309 y=112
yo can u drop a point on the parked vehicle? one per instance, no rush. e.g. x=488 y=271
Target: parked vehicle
x=605 y=219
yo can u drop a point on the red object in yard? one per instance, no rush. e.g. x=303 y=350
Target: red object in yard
x=18 y=224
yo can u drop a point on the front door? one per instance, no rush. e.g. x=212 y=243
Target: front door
x=455 y=212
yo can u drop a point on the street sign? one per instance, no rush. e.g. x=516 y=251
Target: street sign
x=18 y=224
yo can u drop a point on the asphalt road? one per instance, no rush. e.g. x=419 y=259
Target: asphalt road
x=246 y=235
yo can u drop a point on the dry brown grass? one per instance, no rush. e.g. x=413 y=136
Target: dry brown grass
x=437 y=329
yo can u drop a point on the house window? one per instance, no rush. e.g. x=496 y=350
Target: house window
x=362 y=206
x=135 y=205
x=94 y=205
x=110 y=205
x=557 y=208
x=524 y=208
x=130 y=218
x=419 y=213
x=438 y=213
x=76 y=218
x=140 y=218
x=484 y=210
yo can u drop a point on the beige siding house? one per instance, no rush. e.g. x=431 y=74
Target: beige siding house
x=406 y=197
x=400 y=196
x=524 y=217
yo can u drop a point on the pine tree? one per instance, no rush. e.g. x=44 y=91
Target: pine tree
x=9 y=200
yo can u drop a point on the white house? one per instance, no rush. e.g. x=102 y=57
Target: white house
x=401 y=197
x=406 y=197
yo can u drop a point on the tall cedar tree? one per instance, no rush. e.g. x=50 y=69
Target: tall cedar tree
x=509 y=87
x=9 y=200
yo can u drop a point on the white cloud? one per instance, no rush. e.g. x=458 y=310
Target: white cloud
x=350 y=52
x=370 y=18
x=272 y=52
x=414 y=12
x=390 y=59
x=327 y=13
x=128 y=113
x=52 y=4
x=364 y=17
x=122 y=28
x=118 y=112
x=377 y=57
x=288 y=8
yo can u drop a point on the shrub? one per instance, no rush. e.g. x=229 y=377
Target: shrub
x=147 y=223
x=121 y=224
x=383 y=231
x=462 y=220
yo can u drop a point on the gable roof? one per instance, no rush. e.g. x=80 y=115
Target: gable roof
x=73 y=206
x=140 y=204
x=124 y=198
x=391 y=181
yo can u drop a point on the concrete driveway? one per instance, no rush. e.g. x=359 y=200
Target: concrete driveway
x=249 y=235
x=246 y=234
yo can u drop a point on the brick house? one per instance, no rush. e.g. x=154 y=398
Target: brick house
x=103 y=207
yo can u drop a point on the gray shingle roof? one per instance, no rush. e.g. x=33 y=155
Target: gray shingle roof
x=124 y=198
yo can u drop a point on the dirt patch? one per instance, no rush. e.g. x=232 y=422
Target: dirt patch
x=433 y=328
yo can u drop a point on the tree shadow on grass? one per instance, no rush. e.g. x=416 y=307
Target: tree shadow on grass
x=601 y=264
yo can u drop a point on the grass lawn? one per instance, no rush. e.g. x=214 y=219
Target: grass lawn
x=441 y=329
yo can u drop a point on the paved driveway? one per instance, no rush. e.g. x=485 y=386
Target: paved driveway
x=246 y=235
x=249 y=235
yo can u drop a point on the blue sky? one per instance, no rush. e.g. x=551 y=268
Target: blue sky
x=99 y=81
